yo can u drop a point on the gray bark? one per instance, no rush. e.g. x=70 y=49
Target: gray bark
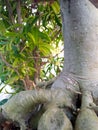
x=80 y=30
x=87 y=118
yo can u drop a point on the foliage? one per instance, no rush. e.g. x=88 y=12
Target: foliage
x=30 y=37
x=3 y=101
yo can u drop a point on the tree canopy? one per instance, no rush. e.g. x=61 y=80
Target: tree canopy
x=30 y=42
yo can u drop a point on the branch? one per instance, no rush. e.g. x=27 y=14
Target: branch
x=7 y=64
x=94 y=2
x=10 y=11
x=28 y=84
x=57 y=33
x=18 y=8
x=45 y=84
x=58 y=53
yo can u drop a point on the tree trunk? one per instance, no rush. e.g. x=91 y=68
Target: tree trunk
x=80 y=32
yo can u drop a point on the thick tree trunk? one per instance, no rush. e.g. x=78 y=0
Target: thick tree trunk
x=80 y=30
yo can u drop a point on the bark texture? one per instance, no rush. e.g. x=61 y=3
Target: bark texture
x=54 y=119
x=87 y=119
x=80 y=31
x=19 y=108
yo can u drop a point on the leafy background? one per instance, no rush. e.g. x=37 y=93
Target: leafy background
x=31 y=47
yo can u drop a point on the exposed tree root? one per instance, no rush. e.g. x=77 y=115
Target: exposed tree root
x=64 y=99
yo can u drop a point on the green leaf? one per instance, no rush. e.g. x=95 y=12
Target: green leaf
x=56 y=7
x=12 y=34
x=15 y=50
x=2 y=87
x=58 y=21
x=30 y=23
x=44 y=37
x=35 y=32
x=2 y=102
x=2 y=27
x=45 y=49
x=32 y=38
x=3 y=43
x=12 y=79
x=15 y=26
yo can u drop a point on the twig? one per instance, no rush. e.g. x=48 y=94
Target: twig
x=7 y=64
x=56 y=35
x=10 y=11
x=45 y=83
x=58 y=53
x=18 y=8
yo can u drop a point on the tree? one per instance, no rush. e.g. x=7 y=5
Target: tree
x=76 y=87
